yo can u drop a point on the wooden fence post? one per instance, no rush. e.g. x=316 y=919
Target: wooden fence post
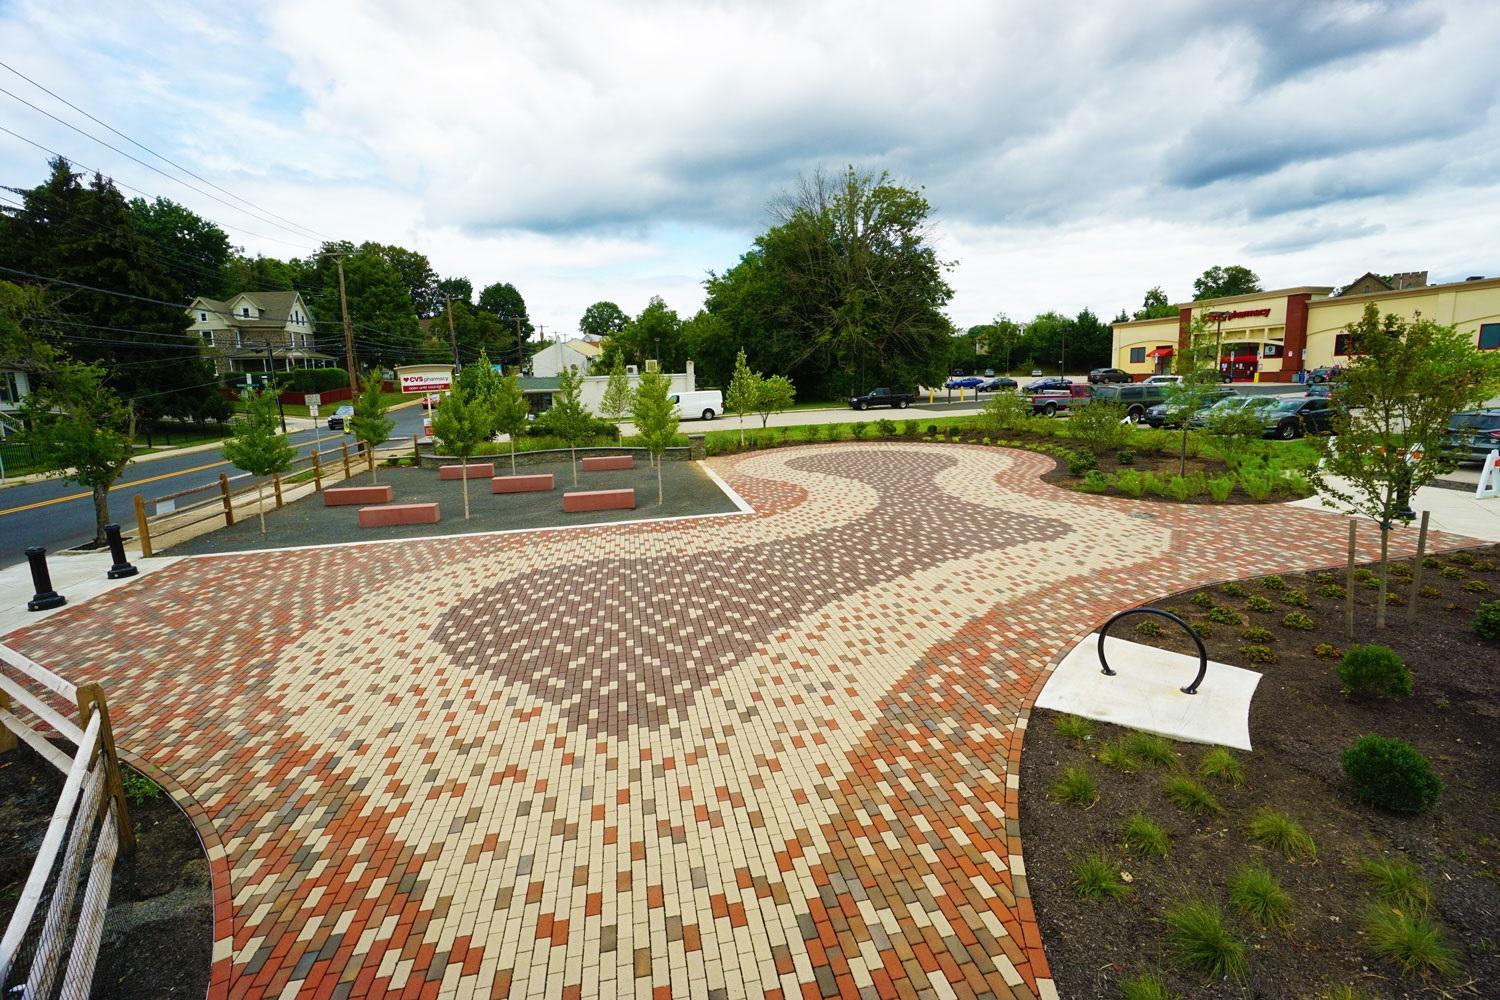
x=1416 y=575
x=317 y=472
x=344 y=447
x=276 y=485
x=91 y=696
x=228 y=507
x=1349 y=585
x=142 y=526
x=7 y=738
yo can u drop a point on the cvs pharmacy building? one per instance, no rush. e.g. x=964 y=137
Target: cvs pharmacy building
x=1271 y=336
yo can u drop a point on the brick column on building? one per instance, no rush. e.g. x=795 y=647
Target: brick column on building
x=1184 y=326
x=1294 y=347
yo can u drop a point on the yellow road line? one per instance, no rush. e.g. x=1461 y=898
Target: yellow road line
x=117 y=486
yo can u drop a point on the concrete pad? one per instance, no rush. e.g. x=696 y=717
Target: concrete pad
x=1146 y=692
x=1457 y=512
x=78 y=576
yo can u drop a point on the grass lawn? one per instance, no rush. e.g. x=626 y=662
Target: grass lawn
x=325 y=409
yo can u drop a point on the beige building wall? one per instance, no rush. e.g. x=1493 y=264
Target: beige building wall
x=1466 y=306
x=1145 y=335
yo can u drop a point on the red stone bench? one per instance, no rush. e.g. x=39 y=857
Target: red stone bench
x=398 y=513
x=586 y=500
x=485 y=471
x=339 y=496
x=538 y=483
x=608 y=463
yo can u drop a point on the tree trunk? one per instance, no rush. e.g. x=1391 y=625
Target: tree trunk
x=573 y=453
x=658 y=483
x=260 y=505
x=1385 y=555
x=1182 y=454
x=512 y=454
x=374 y=476
x=742 y=430
x=101 y=512
x=465 y=467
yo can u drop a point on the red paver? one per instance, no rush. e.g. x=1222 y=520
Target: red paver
x=731 y=753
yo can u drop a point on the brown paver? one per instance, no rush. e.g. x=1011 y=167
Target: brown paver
x=760 y=753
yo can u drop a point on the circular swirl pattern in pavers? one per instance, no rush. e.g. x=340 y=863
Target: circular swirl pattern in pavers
x=742 y=754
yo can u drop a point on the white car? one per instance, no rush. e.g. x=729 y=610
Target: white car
x=705 y=404
x=1161 y=379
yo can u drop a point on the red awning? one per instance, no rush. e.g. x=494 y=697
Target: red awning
x=1160 y=352
x=1245 y=358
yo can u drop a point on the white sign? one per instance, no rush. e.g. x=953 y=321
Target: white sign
x=312 y=409
x=312 y=399
x=1489 y=477
x=425 y=378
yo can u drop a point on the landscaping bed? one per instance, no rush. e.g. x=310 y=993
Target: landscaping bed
x=1301 y=723
x=158 y=934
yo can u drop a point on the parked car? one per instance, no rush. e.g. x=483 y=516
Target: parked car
x=963 y=382
x=1137 y=398
x=882 y=397
x=997 y=384
x=1052 y=383
x=1049 y=403
x=1326 y=373
x=1225 y=403
x=1036 y=373
x=1104 y=376
x=1164 y=414
x=339 y=417
x=704 y=404
x=1163 y=379
x=1297 y=415
x=1474 y=434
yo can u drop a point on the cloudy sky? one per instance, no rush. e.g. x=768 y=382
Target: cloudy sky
x=1074 y=153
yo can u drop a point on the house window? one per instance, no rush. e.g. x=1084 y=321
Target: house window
x=239 y=339
x=10 y=387
x=245 y=311
x=1271 y=351
x=208 y=337
x=260 y=314
x=203 y=317
x=1489 y=336
x=1137 y=355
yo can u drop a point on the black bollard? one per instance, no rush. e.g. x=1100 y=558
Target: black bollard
x=121 y=568
x=46 y=598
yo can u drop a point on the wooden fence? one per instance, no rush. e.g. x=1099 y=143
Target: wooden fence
x=90 y=812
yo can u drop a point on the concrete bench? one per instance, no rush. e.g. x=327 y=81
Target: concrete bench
x=608 y=463
x=538 y=483
x=340 y=496
x=586 y=500
x=485 y=471
x=398 y=513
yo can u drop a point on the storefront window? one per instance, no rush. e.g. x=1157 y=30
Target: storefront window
x=1272 y=351
x=1137 y=355
x=1489 y=336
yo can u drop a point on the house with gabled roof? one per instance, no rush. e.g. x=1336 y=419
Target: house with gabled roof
x=257 y=332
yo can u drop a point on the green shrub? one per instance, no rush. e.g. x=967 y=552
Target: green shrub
x=1257 y=894
x=1372 y=670
x=1257 y=633
x=1273 y=582
x=1179 y=488
x=1093 y=482
x=1298 y=620
x=1144 y=837
x=1486 y=620
x=858 y=429
x=1080 y=462
x=1258 y=653
x=1428 y=591
x=1224 y=616
x=1454 y=573
x=1128 y=482
x=1113 y=754
x=1476 y=586
x=1220 y=487
x=1391 y=774
x=1233 y=589
x=1412 y=942
x=1197 y=933
x=1099 y=427
x=1095 y=878
x=1270 y=828
x=1295 y=598
x=1394 y=598
x=1257 y=484
x=1149 y=748
x=1076 y=786
x=911 y=428
x=1158 y=484
x=1327 y=651
x=1189 y=796
x=1462 y=558
x=1202 y=599
x=1400 y=571
x=1148 y=628
x=1125 y=456
x=932 y=429
x=1399 y=883
x=1257 y=603
x=1145 y=985
x=139 y=788
x=1482 y=566
x=1366 y=577
x=1432 y=562
x=1332 y=591
x=1073 y=727
x=1222 y=766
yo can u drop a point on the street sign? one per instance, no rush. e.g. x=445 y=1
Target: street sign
x=312 y=410
x=312 y=399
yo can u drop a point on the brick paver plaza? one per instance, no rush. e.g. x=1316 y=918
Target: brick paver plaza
x=725 y=756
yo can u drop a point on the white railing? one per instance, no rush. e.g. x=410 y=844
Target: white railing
x=90 y=813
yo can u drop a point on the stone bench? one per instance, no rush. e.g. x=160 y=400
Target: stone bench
x=586 y=500
x=538 y=483
x=340 y=496
x=485 y=471
x=608 y=463
x=398 y=513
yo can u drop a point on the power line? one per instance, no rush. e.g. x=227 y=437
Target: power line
x=154 y=153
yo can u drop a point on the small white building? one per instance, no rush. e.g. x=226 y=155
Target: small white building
x=540 y=388
x=579 y=355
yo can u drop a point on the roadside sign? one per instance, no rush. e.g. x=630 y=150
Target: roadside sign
x=312 y=410
x=312 y=399
x=424 y=378
x=1489 y=478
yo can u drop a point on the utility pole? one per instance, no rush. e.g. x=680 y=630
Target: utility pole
x=348 y=331
x=271 y=383
x=452 y=337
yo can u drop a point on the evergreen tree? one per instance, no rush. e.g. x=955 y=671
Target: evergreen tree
x=369 y=421
x=259 y=447
x=462 y=425
x=655 y=417
x=568 y=415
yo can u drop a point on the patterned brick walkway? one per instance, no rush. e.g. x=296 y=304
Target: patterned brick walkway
x=759 y=753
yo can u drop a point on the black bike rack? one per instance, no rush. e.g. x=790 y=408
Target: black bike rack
x=1202 y=651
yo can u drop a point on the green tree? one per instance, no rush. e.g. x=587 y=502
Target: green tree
x=510 y=413
x=655 y=335
x=1220 y=282
x=1007 y=411
x=1391 y=415
x=743 y=392
x=194 y=250
x=259 y=447
x=474 y=329
x=616 y=401
x=568 y=416
x=82 y=430
x=482 y=384
x=603 y=319
x=462 y=425
x=773 y=395
x=1199 y=368
x=655 y=418
x=369 y=421
x=505 y=303
x=1155 y=305
x=415 y=273
x=1100 y=425
x=380 y=302
x=457 y=289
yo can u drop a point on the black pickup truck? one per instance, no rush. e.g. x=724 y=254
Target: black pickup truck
x=882 y=397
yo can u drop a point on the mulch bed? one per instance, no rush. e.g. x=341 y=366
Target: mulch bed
x=1300 y=723
x=158 y=934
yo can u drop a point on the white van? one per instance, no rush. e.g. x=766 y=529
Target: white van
x=705 y=405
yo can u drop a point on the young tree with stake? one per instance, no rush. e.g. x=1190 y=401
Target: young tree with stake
x=461 y=425
x=260 y=448
x=509 y=410
x=616 y=401
x=569 y=417
x=1199 y=368
x=744 y=389
x=482 y=384
x=655 y=417
x=369 y=422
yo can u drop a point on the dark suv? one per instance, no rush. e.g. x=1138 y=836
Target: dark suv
x=1103 y=376
x=1474 y=434
x=1137 y=397
x=1297 y=415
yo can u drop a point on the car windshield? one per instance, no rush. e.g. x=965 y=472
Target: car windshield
x=1289 y=406
x=1477 y=421
x=345 y=411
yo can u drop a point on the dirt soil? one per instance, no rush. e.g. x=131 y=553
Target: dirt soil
x=158 y=935
x=1300 y=723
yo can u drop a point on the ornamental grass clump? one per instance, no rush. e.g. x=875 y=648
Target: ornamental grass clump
x=1398 y=882
x=1073 y=727
x=1151 y=749
x=1222 y=766
x=1410 y=941
x=1283 y=834
x=1197 y=933
x=1145 y=985
x=1114 y=754
x=1391 y=774
x=1075 y=786
x=1257 y=894
x=1189 y=796
x=1145 y=837
x=1095 y=878
x=1368 y=670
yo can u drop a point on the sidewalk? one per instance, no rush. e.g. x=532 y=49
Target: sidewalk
x=77 y=576
x=1454 y=511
